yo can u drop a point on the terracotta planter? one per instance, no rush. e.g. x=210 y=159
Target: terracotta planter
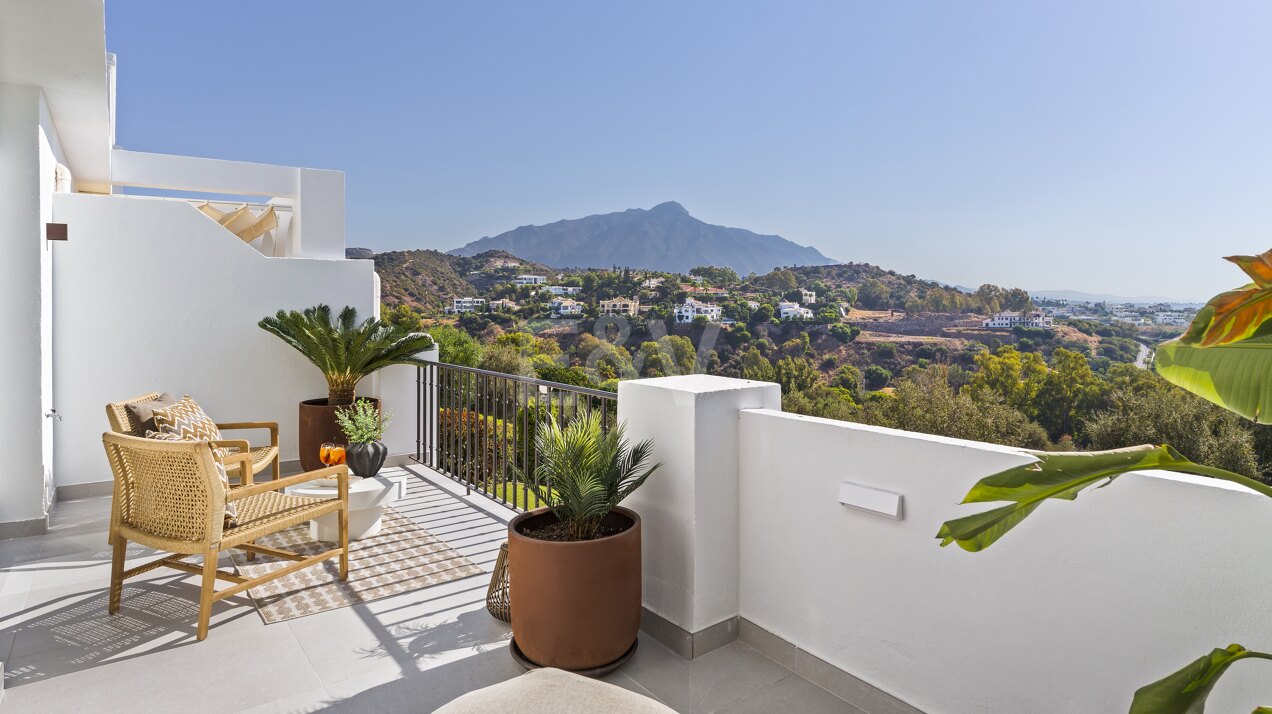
x=317 y=427
x=365 y=460
x=575 y=606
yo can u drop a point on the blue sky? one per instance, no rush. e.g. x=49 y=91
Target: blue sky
x=1101 y=146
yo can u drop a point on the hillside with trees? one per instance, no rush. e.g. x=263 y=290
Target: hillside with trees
x=874 y=346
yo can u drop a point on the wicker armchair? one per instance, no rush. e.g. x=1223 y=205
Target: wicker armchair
x=122 y=421
x=169 y=496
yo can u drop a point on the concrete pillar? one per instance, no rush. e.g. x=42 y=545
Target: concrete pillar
x=689 y=507
x=318 y=226
x=26 y=185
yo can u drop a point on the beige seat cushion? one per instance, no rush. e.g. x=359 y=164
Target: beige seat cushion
x=553 y=691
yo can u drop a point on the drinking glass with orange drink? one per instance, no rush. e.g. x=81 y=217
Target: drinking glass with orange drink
x=332 y=454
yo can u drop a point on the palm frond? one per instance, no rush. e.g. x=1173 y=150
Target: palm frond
x=585 y=471
x=344 y=349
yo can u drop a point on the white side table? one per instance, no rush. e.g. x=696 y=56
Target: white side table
x=367 y=499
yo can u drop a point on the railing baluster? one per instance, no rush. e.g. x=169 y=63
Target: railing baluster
x=477 y=427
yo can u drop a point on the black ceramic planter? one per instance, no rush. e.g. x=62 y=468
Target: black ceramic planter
x=365 y=460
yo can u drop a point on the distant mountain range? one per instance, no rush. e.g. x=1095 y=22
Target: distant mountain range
x=1077 y=296
x=664 y=237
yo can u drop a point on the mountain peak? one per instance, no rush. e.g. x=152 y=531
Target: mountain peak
x=664 y=237
x=669 y=207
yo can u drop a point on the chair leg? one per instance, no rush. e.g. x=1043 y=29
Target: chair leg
x=205 y=594
x=344 y=542
x=274 y=469
x=250 y=554
x=119 y=547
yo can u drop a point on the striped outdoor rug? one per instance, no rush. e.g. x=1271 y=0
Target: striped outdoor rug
x=400 y=558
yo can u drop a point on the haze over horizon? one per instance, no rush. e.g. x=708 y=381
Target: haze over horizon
x=1075 y=146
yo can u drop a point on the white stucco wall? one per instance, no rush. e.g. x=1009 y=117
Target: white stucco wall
x=25 y=181
x=1071 y=612
x=150 y=295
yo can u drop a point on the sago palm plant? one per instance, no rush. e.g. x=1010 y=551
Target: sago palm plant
x=585 y=471
x=1225 y=357
x=344 y=349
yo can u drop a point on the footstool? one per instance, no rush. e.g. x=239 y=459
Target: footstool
x=555 y=691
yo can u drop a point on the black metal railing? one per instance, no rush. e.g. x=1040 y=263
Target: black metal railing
x=478 y=426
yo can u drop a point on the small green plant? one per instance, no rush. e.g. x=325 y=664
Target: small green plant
x=585 y=471
x=362 y=422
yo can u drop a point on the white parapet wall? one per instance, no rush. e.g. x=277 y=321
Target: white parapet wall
x=1070 y=613
x=153 y=296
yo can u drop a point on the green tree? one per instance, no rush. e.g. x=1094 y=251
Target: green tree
x=874 y=295
x=670 y=355
x=795 y=374
x=1069 y=393
x=757 y=367
x=925 y=402
x=1156 y=412
x=455 y=346
x=506 y=359
x=876 y=377
x=822 y=401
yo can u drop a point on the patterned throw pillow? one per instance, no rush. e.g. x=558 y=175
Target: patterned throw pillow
x=187 y=420
x=231 y=513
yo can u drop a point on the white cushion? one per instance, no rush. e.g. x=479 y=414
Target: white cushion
x=553 y=691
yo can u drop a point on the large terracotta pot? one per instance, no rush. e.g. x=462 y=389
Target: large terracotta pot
x=317 y=427
x=576 y=605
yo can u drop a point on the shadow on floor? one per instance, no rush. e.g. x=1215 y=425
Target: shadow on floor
x=155 y=616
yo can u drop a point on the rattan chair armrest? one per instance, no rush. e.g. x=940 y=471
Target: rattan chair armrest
x=244 y=457
x=272 y=426
x=340 y=472
x=240 y=444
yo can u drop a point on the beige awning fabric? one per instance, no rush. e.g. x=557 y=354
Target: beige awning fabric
x=242 y=222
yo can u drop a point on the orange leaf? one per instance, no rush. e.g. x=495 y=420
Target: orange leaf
x=1237 y=314
x=1258 y=267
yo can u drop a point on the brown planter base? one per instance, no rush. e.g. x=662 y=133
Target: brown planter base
x=317 y=427
x=594 y=673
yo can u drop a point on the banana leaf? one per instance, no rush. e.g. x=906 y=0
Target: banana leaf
x=1185 y=691
x=1061 y=476
x=1237 y=314
x=1237 y=376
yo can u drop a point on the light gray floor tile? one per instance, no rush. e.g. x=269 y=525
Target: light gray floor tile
x=792 y=694
x=706 y=683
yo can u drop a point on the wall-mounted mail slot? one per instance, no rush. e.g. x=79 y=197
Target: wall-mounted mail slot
x=865 y=498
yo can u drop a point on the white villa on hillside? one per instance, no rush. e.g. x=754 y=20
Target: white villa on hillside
x=565 y=307
x=467 y=304
x=620 y=306
x=1172 y=317
x=651 y=283
x=561 y=290
x=808 y=297
x=530 y=280
x=503 y=304
x=692 y=308
x=793 y=311
x=1008 y=319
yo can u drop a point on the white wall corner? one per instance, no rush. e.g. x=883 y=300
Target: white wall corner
x=689 y=507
